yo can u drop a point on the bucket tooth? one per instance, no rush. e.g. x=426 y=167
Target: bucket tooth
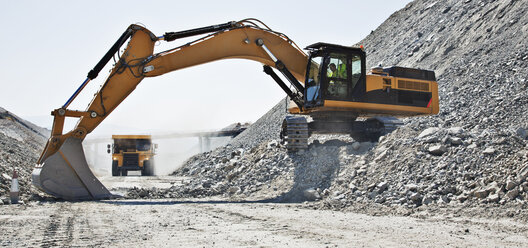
x=66 y=174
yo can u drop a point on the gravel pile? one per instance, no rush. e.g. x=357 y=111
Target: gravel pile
x=474 y=152
x=21 y=143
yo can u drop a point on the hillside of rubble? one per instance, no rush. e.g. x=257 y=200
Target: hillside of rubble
x=20 y=145
x=474 y=152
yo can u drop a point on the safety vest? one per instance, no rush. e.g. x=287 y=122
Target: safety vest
x=340 y=72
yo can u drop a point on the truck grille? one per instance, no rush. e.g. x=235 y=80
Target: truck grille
x=130 y=159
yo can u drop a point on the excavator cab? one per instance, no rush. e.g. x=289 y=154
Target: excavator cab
x=334 y=73
x=337 y=82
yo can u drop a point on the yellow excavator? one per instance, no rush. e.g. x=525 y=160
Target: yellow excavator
x=328 y=86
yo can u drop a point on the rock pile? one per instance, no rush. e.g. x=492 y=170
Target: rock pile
x=20 y=145
x=474 y=151
x=401 y=169
x=439 y=165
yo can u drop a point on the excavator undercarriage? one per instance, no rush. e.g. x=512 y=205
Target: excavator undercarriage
x=296 y=130
x=329 y=88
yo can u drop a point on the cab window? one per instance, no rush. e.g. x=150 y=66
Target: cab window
x=143 y=144
x=356 y=70
x=337 y=76
x=313 y=82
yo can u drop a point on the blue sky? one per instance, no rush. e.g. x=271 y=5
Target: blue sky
x=49 y=46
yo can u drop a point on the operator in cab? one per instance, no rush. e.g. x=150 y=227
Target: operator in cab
x=337 y=74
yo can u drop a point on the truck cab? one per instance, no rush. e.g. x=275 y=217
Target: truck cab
x=132 y=153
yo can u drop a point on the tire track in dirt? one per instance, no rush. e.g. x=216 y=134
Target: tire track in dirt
x=283 y=233
x=50 y=237
x=69 y=229
x=60 y=229
x=93 y=228
x=74 y=227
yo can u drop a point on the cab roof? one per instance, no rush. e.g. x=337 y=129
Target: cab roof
x=323 y=45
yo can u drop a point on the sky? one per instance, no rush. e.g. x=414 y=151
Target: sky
x=48 y=47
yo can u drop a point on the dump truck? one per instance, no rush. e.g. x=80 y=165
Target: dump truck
x=132 y=153
x=329 y=88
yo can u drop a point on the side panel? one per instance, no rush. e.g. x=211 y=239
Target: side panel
x=365 y=109
x=399 y=91
x=393 y=96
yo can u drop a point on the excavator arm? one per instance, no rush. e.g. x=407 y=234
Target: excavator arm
x=62 y=169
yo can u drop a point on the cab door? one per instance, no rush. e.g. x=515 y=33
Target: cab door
x=312 y=94
x=344 y=79
x=338 y=78
x=337 y=75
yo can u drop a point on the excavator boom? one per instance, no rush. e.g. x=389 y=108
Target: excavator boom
x=62 y=170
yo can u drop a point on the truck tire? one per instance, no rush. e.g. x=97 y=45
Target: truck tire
x=115 y=170
x=124 y=172
x=145 y=171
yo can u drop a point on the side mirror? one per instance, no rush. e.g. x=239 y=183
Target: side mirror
x=108 y=151
x=108 y=146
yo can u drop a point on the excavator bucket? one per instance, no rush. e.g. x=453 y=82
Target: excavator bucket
x=66 y=174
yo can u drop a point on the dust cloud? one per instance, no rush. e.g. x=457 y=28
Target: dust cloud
x=170 y=154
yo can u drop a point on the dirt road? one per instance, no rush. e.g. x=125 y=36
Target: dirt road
x=223 y=223
x=211 y=223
